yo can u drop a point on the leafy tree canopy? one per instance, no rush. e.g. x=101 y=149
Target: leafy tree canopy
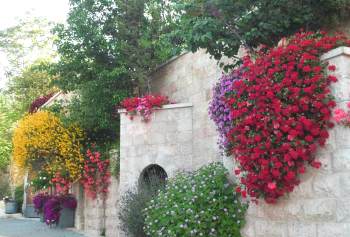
x=23 y=43
x=7 y=119
x=33 y=81
x=107 y=49
x=222 y=26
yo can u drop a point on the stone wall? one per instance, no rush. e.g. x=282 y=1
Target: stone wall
x=97 y=216
x=320 y=205
x=190 y=78
x=165 y=141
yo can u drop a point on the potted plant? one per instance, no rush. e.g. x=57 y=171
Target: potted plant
x=68 y=204
x=10 y=205
x=60 y=211
x=39 y=201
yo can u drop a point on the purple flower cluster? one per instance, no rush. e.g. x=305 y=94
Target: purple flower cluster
x=52 y=209
x=51 y=206
x=219 y=110
x=39 y=201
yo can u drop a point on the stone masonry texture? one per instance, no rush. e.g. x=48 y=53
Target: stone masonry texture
x=182 y=137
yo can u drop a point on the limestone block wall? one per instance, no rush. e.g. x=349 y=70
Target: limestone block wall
x=112 y=209
x=165 y=141
x=98 y=216
x=190 y=78
x=94 y=217
x=320 y=205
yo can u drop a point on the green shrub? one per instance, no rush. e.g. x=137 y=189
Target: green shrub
x=19 y=192
x=41 y=181
x=132 y=204
x=202 y=203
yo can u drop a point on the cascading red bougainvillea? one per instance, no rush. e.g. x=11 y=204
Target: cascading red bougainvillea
x=281 y=110
x=143 y=105
x=96 y=175
x=38 y=102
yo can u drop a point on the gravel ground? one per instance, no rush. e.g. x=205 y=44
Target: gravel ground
x=17 y=226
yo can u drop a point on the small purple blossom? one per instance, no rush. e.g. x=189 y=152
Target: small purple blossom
x=219 y=110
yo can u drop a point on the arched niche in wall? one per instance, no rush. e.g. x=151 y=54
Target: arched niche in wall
x=152 y=178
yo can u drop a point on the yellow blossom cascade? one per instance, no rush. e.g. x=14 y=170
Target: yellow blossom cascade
x=42 y=141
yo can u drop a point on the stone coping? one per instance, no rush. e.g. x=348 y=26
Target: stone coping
x=336 y=52
x=169 y=106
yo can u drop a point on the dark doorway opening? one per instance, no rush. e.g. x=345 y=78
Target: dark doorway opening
x=152 y=178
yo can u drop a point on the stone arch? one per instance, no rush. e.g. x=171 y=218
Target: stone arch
x=152 y=177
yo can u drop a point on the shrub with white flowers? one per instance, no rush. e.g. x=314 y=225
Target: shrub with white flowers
x=202 y=203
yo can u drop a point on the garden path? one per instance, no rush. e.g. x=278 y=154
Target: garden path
x=17 y=226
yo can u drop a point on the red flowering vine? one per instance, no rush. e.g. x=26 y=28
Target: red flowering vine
x=281 y=110
x=96 y=175
x=144 y=105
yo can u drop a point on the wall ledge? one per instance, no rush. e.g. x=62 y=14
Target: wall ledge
x=169 y=106
x=336 y=52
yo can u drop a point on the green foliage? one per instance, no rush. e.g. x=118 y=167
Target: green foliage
x=107 y=49
x=133 y=202
x=33 y=81
x=29 y=39
x=221 y=26
x=202 y=203
x=7 y=119
x=27 y=76
x=19 y=192
x=41 y=181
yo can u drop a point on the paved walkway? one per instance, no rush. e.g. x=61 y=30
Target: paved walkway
x=17 y=226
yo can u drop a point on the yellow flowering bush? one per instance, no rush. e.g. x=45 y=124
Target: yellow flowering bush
x=41 y=141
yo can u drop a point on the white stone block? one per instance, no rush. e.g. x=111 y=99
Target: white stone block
x=299 y=229
x=342 y=137
x=333 y=229
x=327 y=186
x=316 y=210
x=249 y=229
x=341 y=160
x=343 y=210
x=271 y=229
